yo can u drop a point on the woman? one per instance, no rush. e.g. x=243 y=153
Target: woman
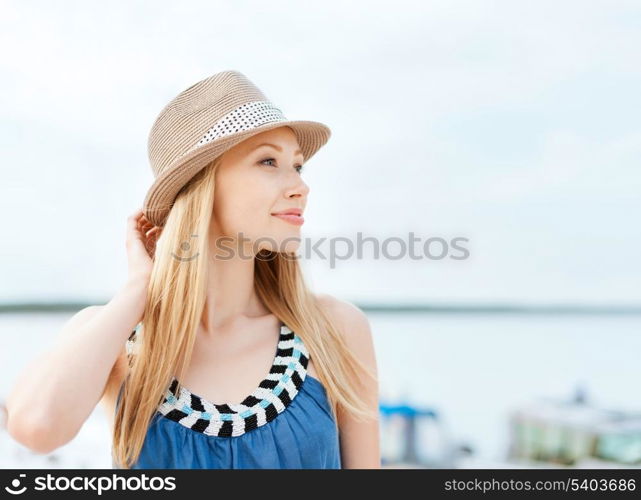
x=233 y=363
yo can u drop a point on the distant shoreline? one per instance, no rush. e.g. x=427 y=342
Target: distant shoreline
x=418 y=308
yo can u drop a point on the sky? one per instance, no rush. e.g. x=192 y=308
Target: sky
x=513 y=124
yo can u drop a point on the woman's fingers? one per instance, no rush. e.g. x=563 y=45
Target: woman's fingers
x=139 y=226
x=133 y=222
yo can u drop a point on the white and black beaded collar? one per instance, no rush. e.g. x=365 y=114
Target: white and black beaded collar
x=271 y=397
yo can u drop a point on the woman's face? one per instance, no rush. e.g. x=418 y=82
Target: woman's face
x=257 y=178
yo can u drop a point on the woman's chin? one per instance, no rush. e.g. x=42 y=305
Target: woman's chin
x=284 y=243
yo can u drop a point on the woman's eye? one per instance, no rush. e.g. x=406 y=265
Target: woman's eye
x=267 y=159
x=299 y=168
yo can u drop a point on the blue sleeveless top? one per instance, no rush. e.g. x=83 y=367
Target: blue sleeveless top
x=286 y=423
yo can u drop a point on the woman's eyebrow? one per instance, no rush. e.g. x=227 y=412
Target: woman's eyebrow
x=297 y=152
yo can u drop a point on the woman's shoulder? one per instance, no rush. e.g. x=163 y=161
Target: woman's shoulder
x=353 y=324
x=341 y=309
x=348 y=317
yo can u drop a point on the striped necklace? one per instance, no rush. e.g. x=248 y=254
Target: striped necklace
x=271 y=397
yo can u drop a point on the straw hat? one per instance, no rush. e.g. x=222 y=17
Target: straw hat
x=204 y=121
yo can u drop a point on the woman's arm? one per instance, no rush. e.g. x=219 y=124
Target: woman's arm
x=360 y=441
x=55 y=394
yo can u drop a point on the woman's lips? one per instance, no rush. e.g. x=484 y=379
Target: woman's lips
x=292 y=219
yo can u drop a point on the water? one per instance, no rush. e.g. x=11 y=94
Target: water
x=475 y=369
x=472 y=369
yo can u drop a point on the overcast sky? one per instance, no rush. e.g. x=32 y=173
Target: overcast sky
x=514 y=124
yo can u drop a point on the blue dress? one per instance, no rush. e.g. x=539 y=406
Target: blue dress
x=286 y=423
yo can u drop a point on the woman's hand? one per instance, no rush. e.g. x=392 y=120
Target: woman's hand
x=141 y=246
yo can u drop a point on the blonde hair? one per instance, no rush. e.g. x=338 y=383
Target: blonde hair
x=174 y=306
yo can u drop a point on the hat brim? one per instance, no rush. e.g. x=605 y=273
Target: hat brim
x=160 y=197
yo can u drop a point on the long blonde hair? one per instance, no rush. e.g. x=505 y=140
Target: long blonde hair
x=174 y=306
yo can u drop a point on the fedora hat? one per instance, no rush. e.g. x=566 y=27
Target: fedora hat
x=204 y=121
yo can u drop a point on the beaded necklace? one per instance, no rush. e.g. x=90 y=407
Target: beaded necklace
x=272 y=396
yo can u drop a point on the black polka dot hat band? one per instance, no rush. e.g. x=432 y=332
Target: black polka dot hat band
x=204 y=121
